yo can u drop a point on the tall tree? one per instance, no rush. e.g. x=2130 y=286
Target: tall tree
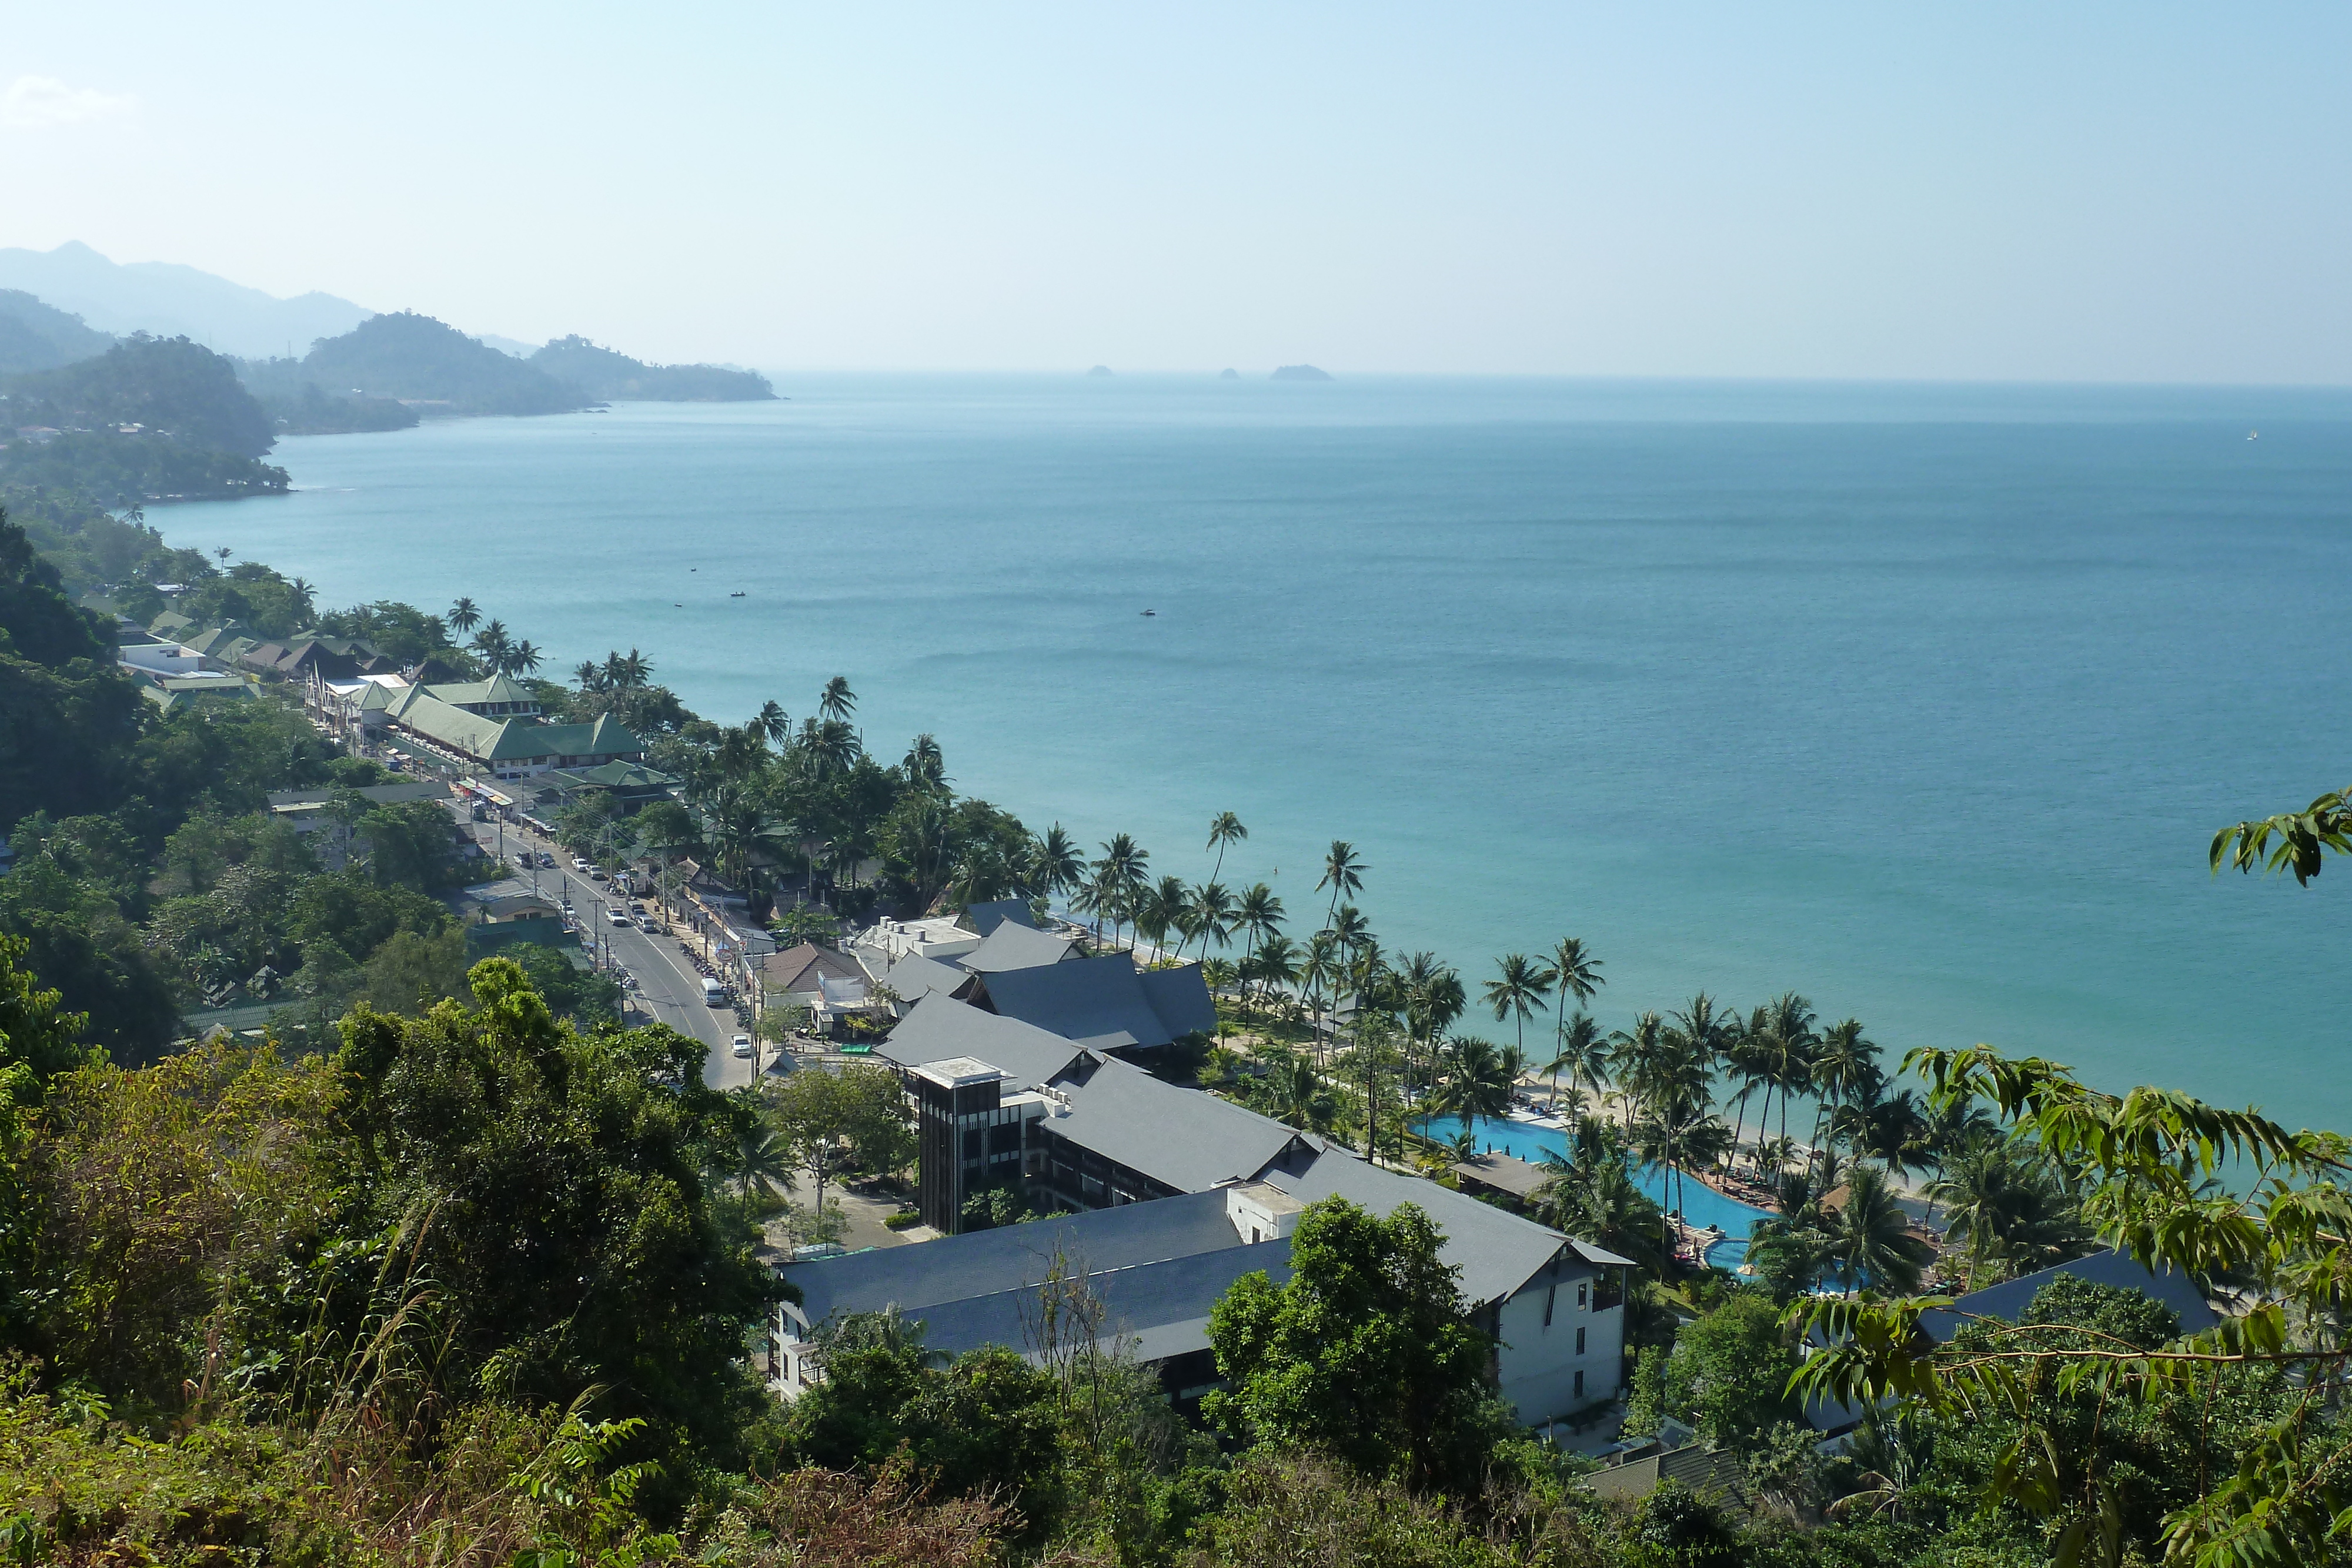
x=1343 y=874
x=1520 y=987
x=837 y=701
x=1224 y=828
x=463 y=616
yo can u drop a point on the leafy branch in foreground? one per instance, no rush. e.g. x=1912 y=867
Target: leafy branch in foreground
x=2303 y=837
x=2148 y=1164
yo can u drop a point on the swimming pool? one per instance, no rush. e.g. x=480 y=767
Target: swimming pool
x=1702 y=1205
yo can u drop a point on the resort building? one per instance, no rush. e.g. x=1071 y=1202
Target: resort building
x=1000 y=1102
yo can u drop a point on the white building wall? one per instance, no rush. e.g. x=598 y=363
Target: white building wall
x=1539 y=1363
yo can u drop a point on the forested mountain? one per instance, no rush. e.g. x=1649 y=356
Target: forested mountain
x=607 y=374
x=170 y=386
x=35 y=337
x=405 y=355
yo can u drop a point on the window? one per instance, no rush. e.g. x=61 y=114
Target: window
x=1580 y=1385
x=1550 y=1292
x=1580 y=1342
x=1579 y=1296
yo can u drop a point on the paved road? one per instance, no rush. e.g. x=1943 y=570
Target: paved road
x=669 y=988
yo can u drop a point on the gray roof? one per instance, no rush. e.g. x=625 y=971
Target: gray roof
x=1015 y=946
x=986 y=916
x=1183 y=1137
x=1181 y=996
x=1013 y=1257
x=1099 y=1002
x=939 y=1026
x=1160 y=1309
x=2009 y=1300
x=1497 y=1252
x=913 y=977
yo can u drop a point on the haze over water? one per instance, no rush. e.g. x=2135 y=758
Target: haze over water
x=1923 y=701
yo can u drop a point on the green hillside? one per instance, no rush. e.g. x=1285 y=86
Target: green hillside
x=38 y=336
x=608 y=376
x=167 y=386
x=417 y=358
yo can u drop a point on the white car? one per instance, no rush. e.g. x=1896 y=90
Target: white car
x=744 y=1045
x=580 y=862
x=618 y=917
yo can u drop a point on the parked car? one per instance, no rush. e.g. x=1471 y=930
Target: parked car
x=617 y=916
x=744 y=1045
x=546 y=860
x=580 y=862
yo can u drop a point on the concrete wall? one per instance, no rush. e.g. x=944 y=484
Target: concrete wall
x=1538 y=1363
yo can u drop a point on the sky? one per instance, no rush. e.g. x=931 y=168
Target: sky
x=1994 y=192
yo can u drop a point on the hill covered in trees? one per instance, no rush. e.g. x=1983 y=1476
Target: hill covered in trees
x=150 y=419
x=609 y=375
x=34 y=335
x=413 y=357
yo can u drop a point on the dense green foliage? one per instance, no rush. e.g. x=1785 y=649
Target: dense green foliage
x=311 y=411
x=179 y=391
x=607 y=375
x=405 y=355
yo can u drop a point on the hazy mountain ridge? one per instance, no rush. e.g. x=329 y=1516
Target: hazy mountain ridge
x=171 y=300
x=36 y=336
x=421 y=361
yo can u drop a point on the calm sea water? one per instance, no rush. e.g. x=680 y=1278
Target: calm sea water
x=1922 y=701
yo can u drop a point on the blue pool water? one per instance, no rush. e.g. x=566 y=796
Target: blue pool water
x=1702 y=1206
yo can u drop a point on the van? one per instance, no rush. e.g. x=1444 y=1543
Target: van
x=714 y=995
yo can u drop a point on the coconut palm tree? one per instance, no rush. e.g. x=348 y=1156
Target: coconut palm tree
x=589 y=675
x=1787 y=1246
x=1161 y=909
x=1889 y=1128
x=1343 y=874
x=1841 y=1062
x=1591 y=1194
x=1258 y=913
x=1274 y=966
x=1292 y=1091
x=760 y=1158
x=1121 y=870
x=775 y=726
x=1324 y=969
x=300 y=591
x=491 y=642
x=627 y=671
x=1870 y=1237
x=1055 y=863
x=1784 y=1052
x=523 y=659
x=1210 y=915
x=1634 y=1055
x=1581 y=1052
x=1224 y=828
x=837 y=702
x=2015 y=1209
x=1520 y=987
x=1478 y=1081
x=925 y=764
x=463 y=617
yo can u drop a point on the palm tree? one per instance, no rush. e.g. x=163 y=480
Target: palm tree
x=1582 y=1052
x=1870 y=1238
x=1161 y=909
x=1839 y=1064
x=1211 y=915
x=1343 y=874
x=224 y=552
x=1521 y=986
x=590 y=676
x=775 y=726
x=522 y=659
x=1259 y=915
x=1274 y=964
x=1591 y=1194
x=761 y=1161
x=1324 y=969
x=463 y=617
x=1636 y=1054
x=2014 y=1209
x=1055 y=863
x=300 y=591
x=838 y=702
x=1224 y=828
x=1121 y=871
x=926 y=766
x=1478 y=1082
x=492 y=643
x=1889 y=1128
x=1787 y=1247
x=1784 y=1052
x=627 y=671
x=1292 y=1091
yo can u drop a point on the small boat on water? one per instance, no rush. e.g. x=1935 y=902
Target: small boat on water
x=1152 y=612
x=736 y=594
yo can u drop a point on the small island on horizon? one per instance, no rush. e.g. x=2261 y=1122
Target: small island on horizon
x=1300 y=373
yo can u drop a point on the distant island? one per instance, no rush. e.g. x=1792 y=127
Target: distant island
x=1300 y=373
x=609 y=376
x=1229 y=374
x=1099 y=370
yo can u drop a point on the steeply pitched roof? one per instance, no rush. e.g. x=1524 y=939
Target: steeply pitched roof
x=1158 y=1309
x=1188 y=1139
x=1097 y=1001
x=799 y=968
x=496 y=689
x=986 y=916
x=940 y=1027
x=509 y=739
x=2009 y=1300
x=1497 y=1251
x=984 y=1262
x=1011 y=946
x=913 y=977
x=1181 y=996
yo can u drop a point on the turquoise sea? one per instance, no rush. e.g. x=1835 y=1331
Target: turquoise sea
x=1921 y=700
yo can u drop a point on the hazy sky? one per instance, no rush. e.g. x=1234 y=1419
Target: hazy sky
x=2104 y=192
